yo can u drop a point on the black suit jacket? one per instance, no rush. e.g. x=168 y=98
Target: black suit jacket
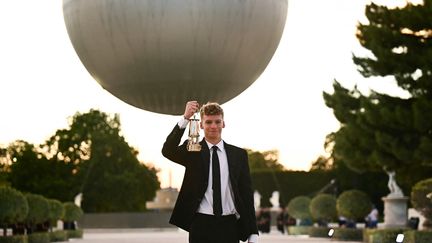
x=195 y=182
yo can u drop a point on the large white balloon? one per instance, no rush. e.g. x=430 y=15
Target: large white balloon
x=157 y=54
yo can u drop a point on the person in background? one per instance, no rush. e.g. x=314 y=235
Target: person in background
x=281 y=220
x=372 y=218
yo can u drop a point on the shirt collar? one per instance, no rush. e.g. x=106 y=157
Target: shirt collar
x=220 y=145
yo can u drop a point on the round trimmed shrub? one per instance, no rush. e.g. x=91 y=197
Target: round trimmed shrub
x=13 y=206
x=421 y=202
x=353 y=204
x=38 y=209
x=298 y=208
x=72 y=214
x=56 y=211
x=323 y=208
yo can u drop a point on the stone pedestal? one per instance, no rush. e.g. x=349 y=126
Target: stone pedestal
x=165 y=199
x=395 y=211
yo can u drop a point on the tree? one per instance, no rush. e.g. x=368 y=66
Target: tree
x=31 y=171
x=3 y=167
x=110 y=176
x=379 y=131
x=261 y=161
x=322 y=163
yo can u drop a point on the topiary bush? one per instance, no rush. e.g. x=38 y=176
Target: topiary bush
x=13 y=207
x=38 y=211
x=72 y=214
x=353 y=204
x=56 y=211
x=323 y=208
x=298 y=208
x=421 y=202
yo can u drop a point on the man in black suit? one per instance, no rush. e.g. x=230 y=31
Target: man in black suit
x=219 y=212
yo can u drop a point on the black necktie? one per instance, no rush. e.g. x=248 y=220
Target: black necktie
x=217 y=201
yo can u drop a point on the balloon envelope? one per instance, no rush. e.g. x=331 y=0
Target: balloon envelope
x=158 y=54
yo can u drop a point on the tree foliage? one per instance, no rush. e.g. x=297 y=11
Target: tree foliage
x=322 y=163
x=31 y=171
x=90 y=157
x=110 y=175
x=379 y=131
x=262 y=161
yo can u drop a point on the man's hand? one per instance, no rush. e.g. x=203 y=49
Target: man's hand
x=191 y=108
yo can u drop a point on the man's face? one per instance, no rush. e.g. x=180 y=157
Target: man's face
x=212 y=126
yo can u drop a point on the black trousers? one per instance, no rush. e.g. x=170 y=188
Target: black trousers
x=211 y=229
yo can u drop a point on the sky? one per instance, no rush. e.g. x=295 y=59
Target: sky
x=43 y=84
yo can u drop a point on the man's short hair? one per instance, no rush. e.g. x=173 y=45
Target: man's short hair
x=211 y=108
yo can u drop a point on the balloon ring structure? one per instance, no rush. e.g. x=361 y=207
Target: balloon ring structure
x=158 y=54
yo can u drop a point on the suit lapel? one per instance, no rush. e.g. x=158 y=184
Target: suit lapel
x=205 y=155
x=231 y=159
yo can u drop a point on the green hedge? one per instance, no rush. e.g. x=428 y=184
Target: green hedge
x=39 y=238
x=14 y=239
x=384 y=235
x=348 y=234
x=299 y=230
x=59 y=235
x=319 y=232
x=310 y=183
x=75 y=234
x=414 y=236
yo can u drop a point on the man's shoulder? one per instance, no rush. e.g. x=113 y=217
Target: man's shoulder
x=234 y=148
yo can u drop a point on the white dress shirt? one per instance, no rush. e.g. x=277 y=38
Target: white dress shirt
x=206 y=206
